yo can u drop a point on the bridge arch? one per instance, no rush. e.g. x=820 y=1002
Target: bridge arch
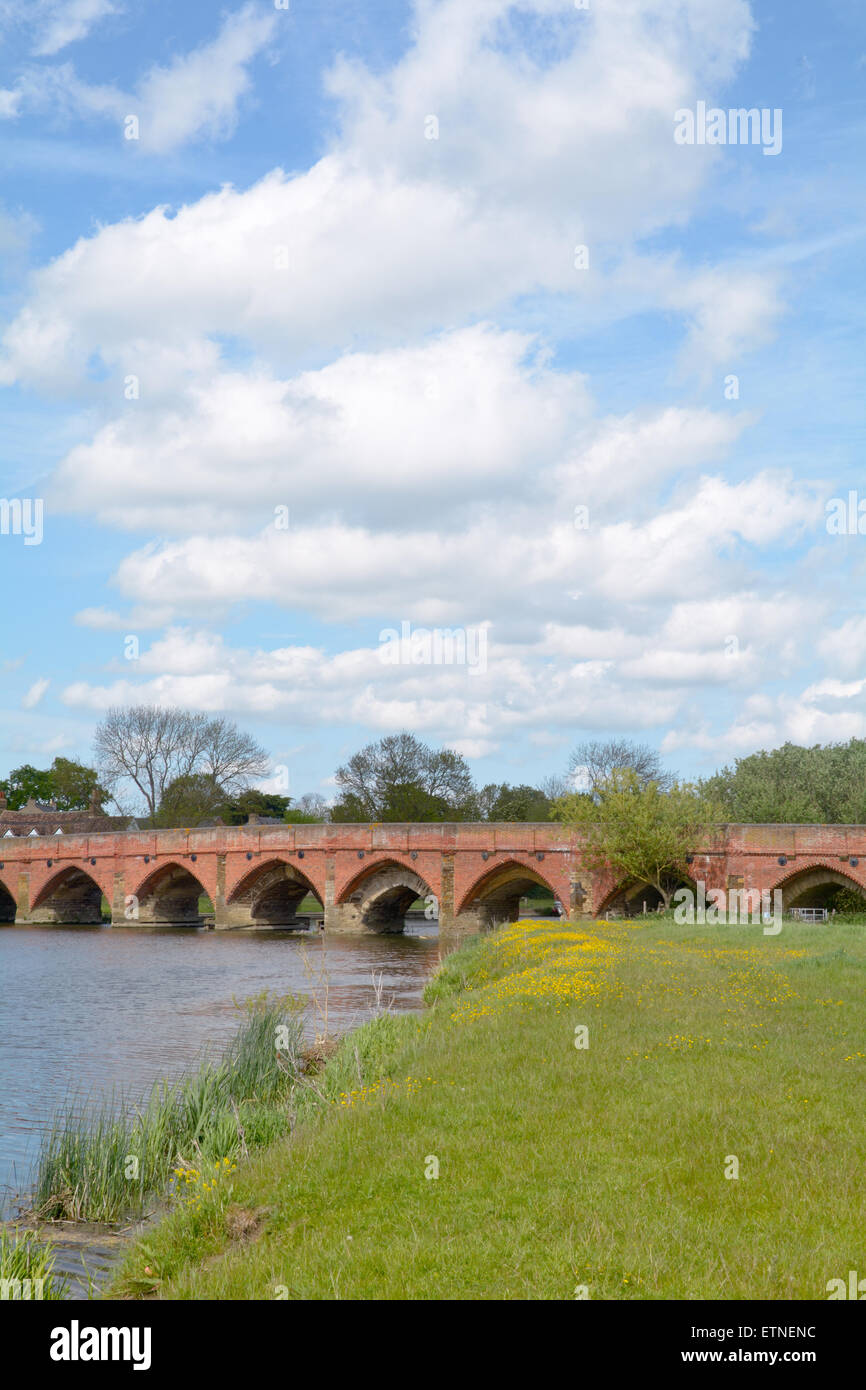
x=816 y=885
x=170 y=895
x=495 y=895
x=628 y=896
x=379 y=897
x=270 y=894
x=71 y=895
x=8 y=905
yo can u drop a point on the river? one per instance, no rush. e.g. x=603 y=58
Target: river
x=87 y=1011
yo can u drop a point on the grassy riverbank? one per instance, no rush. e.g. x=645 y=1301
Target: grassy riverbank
x=561 y=1167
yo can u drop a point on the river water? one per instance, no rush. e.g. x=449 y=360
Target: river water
x=88 y=1011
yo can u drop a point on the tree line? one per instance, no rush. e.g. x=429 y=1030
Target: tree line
x=171 y=767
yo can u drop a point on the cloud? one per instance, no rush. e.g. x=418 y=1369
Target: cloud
x=843 y=648
x=499 y=562
x=392 y=234
x=35 y=693
x=196 y=96
x=67 y=21
x=731 y=311
x=634 y=665
x=332 y=341
x=16 y=234
x=199 y=94
x=643 y=451
x=826 y=711
x=307 y=686
x=105 y=620
x=629 y=655
x=534 y=113
x=481 y=411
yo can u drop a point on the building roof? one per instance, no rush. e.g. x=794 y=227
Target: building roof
x=37 y=818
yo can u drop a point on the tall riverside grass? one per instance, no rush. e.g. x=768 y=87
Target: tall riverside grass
x=104 y=1163
x=27 y=1269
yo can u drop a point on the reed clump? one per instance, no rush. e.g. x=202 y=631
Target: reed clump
x=106 y=1162
x=27 y=1268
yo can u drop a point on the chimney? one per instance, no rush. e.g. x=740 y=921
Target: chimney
x=2 y=800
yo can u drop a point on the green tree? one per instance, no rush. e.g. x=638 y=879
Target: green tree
x=407 y=801
x=67 y=782
x=253 y=802
x=824 y=785
x=76 y=786
x=501 y=802
x=189 y=800
x=350 y=809
x=640 y=830
x=25 y=782
x=400 y=778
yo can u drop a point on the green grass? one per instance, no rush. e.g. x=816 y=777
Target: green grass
x=309 y=904
x=107 y=1162
x=562 y=1168
x=27 y=1269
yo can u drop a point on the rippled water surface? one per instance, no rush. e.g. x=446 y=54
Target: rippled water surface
x=86 y=1011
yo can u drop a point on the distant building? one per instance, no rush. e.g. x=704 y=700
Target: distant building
x=43 y=818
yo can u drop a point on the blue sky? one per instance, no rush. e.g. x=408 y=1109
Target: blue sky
x=323 y=308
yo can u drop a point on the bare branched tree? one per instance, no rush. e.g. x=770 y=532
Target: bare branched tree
x=554 y=787
x=149 y=748
x=593 y=762
x=231 y=757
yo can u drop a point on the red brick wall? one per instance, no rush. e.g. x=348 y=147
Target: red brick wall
x=748 y=851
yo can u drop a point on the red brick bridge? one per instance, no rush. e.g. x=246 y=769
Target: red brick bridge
x=366 y=876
